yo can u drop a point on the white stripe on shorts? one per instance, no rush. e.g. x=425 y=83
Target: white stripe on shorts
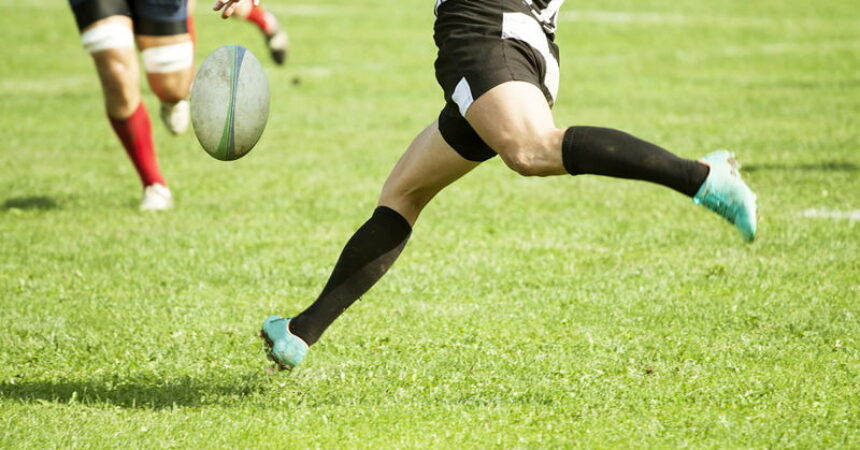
x=525 y=28
x=462 y=96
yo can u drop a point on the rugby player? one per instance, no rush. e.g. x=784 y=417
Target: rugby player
x=163 y=30
x=109 y=31
x=276 y=37
x=498 y=67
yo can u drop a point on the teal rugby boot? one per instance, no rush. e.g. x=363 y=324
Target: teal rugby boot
x=285 y=349
x=725 y=193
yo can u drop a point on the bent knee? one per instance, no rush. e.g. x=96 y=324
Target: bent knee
x=170 y=87
x=120 y=86
x=523 y=163
x=537 y=154
x=117 y=71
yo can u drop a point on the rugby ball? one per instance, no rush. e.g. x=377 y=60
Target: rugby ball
x=229 y=102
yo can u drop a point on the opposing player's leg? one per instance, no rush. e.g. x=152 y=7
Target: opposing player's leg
x=169 y=65
x=267 y=23
x=110 y=41
x=428 y=165
x=162 y=31
x=514 y=119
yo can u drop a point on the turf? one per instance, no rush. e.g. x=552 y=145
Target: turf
x=562 y=312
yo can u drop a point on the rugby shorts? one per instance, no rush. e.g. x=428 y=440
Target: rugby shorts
x=482 y=44
x=150 y=17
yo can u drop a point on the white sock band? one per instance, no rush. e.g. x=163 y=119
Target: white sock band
x=168 y=58
x=107 y=35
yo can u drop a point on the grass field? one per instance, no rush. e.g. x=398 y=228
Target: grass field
x=566 y=312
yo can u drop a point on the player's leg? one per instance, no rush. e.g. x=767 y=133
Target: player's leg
x=168 y=61
x=428 y=165
x=499 y=69
x=106 y=33
x=111 y=46
x=162 y=32
x=515 y=120
x=267 y=23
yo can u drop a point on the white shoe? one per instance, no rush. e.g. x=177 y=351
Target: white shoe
x=176 y=117
x=156 y=197
x=279 y=45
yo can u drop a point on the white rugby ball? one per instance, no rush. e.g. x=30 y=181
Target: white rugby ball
x=229 y=102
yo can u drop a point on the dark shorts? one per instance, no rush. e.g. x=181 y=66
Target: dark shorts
x=482 y=44
x=150 y=17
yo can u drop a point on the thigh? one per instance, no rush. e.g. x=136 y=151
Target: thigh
x=161 y=29
x=169 y=65
x=510 y=113
x=168 y=59
x=116 y=63
x=144 y=42
x=428 y=165
x=515 y=120
x=110 y=43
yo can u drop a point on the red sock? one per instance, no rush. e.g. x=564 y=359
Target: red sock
x=192 y=28
x=264 y=21
x=136 y=136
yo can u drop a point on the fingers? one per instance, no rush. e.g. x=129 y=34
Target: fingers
x=228 y=11
x=229 y=6
x=225 y=11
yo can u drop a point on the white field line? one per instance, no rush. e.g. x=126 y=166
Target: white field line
x=765 y=48
x=779 y=48
x=769 y=49
x=53 y=85
x=305 y=10
x=661 y=18
x=622 y=17
x=316 y=71
x=327 y=71
x=815 y=213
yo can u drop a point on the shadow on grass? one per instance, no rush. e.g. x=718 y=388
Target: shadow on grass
x=155 y=394
x=823 y=166
x=38 y=202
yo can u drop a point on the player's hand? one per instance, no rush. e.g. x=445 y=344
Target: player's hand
x=228 y=7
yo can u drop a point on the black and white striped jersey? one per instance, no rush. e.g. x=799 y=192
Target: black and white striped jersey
x=545 y=11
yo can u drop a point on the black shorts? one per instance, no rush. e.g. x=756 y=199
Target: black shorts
x=150 y=17
x=482 y=44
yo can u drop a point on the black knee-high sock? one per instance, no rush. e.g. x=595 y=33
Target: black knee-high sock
x=604 y=151
x=363 y=261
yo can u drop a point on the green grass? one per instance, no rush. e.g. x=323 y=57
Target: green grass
x=560 y=312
